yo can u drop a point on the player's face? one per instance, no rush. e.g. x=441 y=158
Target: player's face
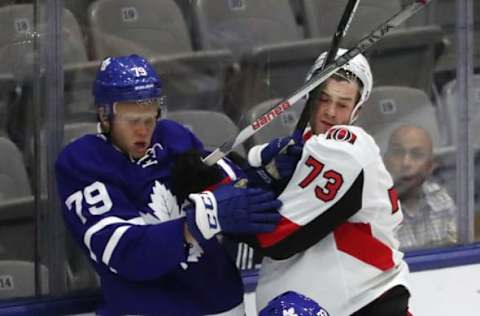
x=133 y=126
x=334 y=105
x=409 y=158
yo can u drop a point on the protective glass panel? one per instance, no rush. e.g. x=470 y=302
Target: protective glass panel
x=20 y=162
x=223 y=65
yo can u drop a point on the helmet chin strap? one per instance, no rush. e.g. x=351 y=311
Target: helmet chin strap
x=355 y=113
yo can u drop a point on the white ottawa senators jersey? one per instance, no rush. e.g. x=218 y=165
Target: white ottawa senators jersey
x=336 y=242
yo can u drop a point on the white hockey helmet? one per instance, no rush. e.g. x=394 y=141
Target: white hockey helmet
x=358 y=66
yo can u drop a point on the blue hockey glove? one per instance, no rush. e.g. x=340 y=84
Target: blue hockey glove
x=284 y=164
x=274 y=148
x=232 y=210
x=274 y=163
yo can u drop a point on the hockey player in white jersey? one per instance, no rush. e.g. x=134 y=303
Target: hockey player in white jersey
x=336 y=240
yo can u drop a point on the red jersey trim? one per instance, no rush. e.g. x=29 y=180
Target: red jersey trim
x=392 y=194
x=307 y=135
x=284 y=228
x=215 y=186
x=357 y=240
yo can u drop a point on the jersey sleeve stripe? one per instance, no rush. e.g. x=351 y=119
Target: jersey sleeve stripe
x=112 y=243
x=228 y=170
x=284 y=229
x=87 y=239
x=291 y=238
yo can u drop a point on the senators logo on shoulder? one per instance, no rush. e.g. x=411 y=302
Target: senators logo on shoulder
x=341 y=134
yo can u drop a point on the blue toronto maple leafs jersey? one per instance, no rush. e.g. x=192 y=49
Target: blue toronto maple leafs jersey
x=128 y=221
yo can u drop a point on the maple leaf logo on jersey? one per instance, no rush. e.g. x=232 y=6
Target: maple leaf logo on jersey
x=164 y=204
x=289 y=312
x=165 y=208
x=194 y=253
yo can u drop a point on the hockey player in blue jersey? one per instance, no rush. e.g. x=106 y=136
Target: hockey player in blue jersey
x=155 y=254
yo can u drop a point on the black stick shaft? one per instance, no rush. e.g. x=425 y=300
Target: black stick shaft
x=337 y=38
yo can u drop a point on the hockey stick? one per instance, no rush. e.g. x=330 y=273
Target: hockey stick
x=337 y=38
x=365 y=43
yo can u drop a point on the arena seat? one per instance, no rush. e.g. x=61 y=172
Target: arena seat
x=273 y=71
x=400 y=51
x=265 y=39
x=391 y=106
x=241 y=25
x=17 y=228
x=443 y=14
x=212 y=128
x=369 y=14
x=157 y=30
x=144 y=27
x=7 y=87
x=450 y=114
x=13 y=175
x=72 y=131
x=18 y=55
x=17 y=279
x=281 y=126
x=16 y=44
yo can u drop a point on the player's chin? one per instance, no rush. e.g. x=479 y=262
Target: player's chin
x=137 y=153
x=321 y=128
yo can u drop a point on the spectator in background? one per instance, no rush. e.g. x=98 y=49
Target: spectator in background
x=429 y=211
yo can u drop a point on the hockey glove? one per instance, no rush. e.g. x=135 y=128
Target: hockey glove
x=274 y=163
x=232 y=210
x=191 y=175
